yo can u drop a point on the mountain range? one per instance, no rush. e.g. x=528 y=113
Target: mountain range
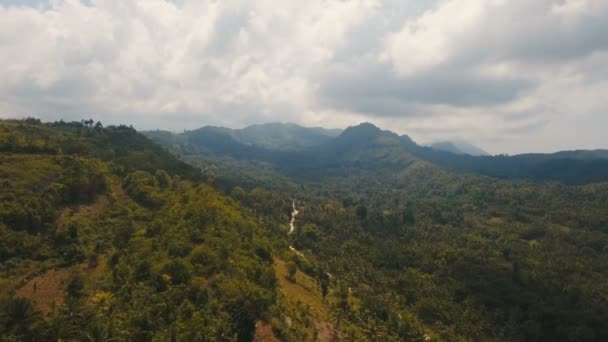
x=292 y=147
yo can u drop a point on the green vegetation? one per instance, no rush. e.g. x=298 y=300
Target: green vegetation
x=104 y=235
x=417 y=252
x=366 y=146
x=151 y=255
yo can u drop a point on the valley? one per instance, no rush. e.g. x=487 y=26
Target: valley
x=363 y=235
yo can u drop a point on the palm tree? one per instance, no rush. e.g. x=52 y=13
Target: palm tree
x=21 y=317
x=98 y=332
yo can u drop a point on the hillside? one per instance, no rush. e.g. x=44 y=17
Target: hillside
x=105 y=236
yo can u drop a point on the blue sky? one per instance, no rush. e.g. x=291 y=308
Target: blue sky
x=510 y=76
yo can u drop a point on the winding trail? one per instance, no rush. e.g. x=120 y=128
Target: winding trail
x=296 y=251
x=292 y=227
x=324 y=329
x=294 y=213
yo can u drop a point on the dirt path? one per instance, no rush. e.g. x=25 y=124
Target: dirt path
x=294 y=213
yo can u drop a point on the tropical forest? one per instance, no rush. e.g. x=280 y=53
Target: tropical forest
x=279 y=232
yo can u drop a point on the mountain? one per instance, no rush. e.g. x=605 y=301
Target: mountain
x=284 y=136
x=459 y=147
x=571 y=167
x=367 y=146
x=271 y=136
x=363 y=145
x=446 y=146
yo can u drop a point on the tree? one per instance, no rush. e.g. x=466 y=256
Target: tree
x=75 y=287
x=179 y=271
x=163 y=179
x=324 y=283
x=408 y=217
x=19 y=318
x=362 y=212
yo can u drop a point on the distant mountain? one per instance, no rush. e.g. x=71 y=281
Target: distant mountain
x=271 y=136
x=366 y=147
x=446 y=146
x=284 y=136
x=366 y=144
x=571 y=167
x=459 y=147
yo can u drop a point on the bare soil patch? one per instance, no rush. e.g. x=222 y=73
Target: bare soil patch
x=264 y=333
x=46 y=291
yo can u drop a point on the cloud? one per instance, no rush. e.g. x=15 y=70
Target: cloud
x=539 y=61
x=380 y=92
x=474 y=32
x=468 y=69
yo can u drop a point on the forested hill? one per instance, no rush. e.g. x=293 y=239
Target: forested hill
x=105 y=236
x=571 y=167
x=366 y=144
x=284 y=136
x=125 y=148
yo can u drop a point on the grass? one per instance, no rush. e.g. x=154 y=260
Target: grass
x=304 y=290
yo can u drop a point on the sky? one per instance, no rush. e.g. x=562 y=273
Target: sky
x=510 y=76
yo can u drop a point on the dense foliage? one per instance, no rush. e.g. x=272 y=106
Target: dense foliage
x=469 y=258
x=417 y=252
x=104 y=235
x=113 y=231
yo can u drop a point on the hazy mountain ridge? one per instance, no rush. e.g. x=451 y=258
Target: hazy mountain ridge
x=284 y=136
x=459 y=147
x=271 y=136
x=365 y=145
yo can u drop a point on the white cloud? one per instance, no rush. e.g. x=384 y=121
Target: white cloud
x=472 y=69
x=431 y=39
